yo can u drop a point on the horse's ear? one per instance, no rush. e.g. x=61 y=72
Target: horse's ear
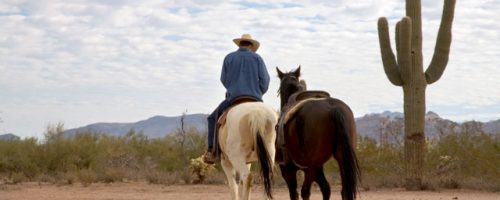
x=297 y=72
x=280 y=74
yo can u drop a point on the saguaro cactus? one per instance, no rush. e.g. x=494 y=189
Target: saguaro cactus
x=406 y=70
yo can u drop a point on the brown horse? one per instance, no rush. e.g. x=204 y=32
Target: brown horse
x=317 y=130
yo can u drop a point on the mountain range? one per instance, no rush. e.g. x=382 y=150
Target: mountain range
x=9 y=136
x=154 y=127
x=371 y=125
x=375 y=125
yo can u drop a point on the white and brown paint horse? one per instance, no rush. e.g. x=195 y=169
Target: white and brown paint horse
x=248 y=136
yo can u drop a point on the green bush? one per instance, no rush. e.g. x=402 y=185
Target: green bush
x=469 y=159
x=20 y=156
x=18 y=177
x=90 y=157
x=381 y=164
x=86 y=177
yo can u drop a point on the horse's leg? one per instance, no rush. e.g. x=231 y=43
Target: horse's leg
x=242 y=177
x=289 y=173
x=247 y=183
x=309 y=176
x=323 y=183
x=245 y=179
x=231 y=177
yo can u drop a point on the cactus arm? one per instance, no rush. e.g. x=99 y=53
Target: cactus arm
x=398 y=42
x=443 y=43
x=405 y=35
x=389 y=61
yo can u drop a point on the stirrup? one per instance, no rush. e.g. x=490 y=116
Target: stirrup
x=282 y=157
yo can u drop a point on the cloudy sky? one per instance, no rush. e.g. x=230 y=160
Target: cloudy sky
x=86 y=61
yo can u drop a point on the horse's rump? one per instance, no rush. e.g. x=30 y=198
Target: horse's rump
x=309 y=133
x=246 y=120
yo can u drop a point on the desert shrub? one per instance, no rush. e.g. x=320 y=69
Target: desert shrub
x=381 y=164
x=111 y=175
x=18 y=177
x=20 y=156
x=44 y=178
x=154 y=177
x=56 y=151
x=70 y=178
x=200 y=170
x=463 y=159
x=91 y=157
x=468 y=158
x=85 y=150
x=86 y=177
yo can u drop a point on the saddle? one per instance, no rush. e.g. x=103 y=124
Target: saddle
x=221 y=120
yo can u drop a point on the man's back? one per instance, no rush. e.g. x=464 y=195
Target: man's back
x=244 y=74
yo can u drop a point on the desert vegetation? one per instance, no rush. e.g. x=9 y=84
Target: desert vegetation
x=468 y=158
x=465 y=159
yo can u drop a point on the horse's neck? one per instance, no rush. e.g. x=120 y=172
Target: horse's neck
x=284 y=100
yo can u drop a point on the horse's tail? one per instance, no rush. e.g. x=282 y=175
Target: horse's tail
x=262 y=126
x=344 y=153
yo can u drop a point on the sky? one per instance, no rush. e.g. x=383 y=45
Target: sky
x=85 y=61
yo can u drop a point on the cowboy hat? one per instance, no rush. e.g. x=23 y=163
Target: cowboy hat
x=247 y=37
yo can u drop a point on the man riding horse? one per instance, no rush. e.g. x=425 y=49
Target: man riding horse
x=243 y=74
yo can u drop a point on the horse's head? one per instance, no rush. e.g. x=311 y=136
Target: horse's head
x=289 y=83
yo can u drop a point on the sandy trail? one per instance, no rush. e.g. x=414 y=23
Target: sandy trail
x=144 y=191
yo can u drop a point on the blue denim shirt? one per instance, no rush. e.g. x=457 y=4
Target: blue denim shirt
x=244 y=74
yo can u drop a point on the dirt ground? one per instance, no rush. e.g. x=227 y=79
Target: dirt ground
x=144 y=191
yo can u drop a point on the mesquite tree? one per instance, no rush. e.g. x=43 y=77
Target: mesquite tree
x=406 y=70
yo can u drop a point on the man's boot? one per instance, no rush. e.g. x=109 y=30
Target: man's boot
x=209 y=157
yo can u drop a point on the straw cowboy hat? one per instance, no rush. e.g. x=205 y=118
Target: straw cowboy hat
x=247 y=37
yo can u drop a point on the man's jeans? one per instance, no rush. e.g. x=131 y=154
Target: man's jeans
x=212 y=119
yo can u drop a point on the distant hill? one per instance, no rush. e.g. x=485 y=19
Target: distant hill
x=372 y=125
x=378 y=124
x=9 y=136
x=492 y=126
x=154 y=127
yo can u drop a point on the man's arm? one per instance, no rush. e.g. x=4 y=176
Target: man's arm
x=223 y=74
x=263 y=76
